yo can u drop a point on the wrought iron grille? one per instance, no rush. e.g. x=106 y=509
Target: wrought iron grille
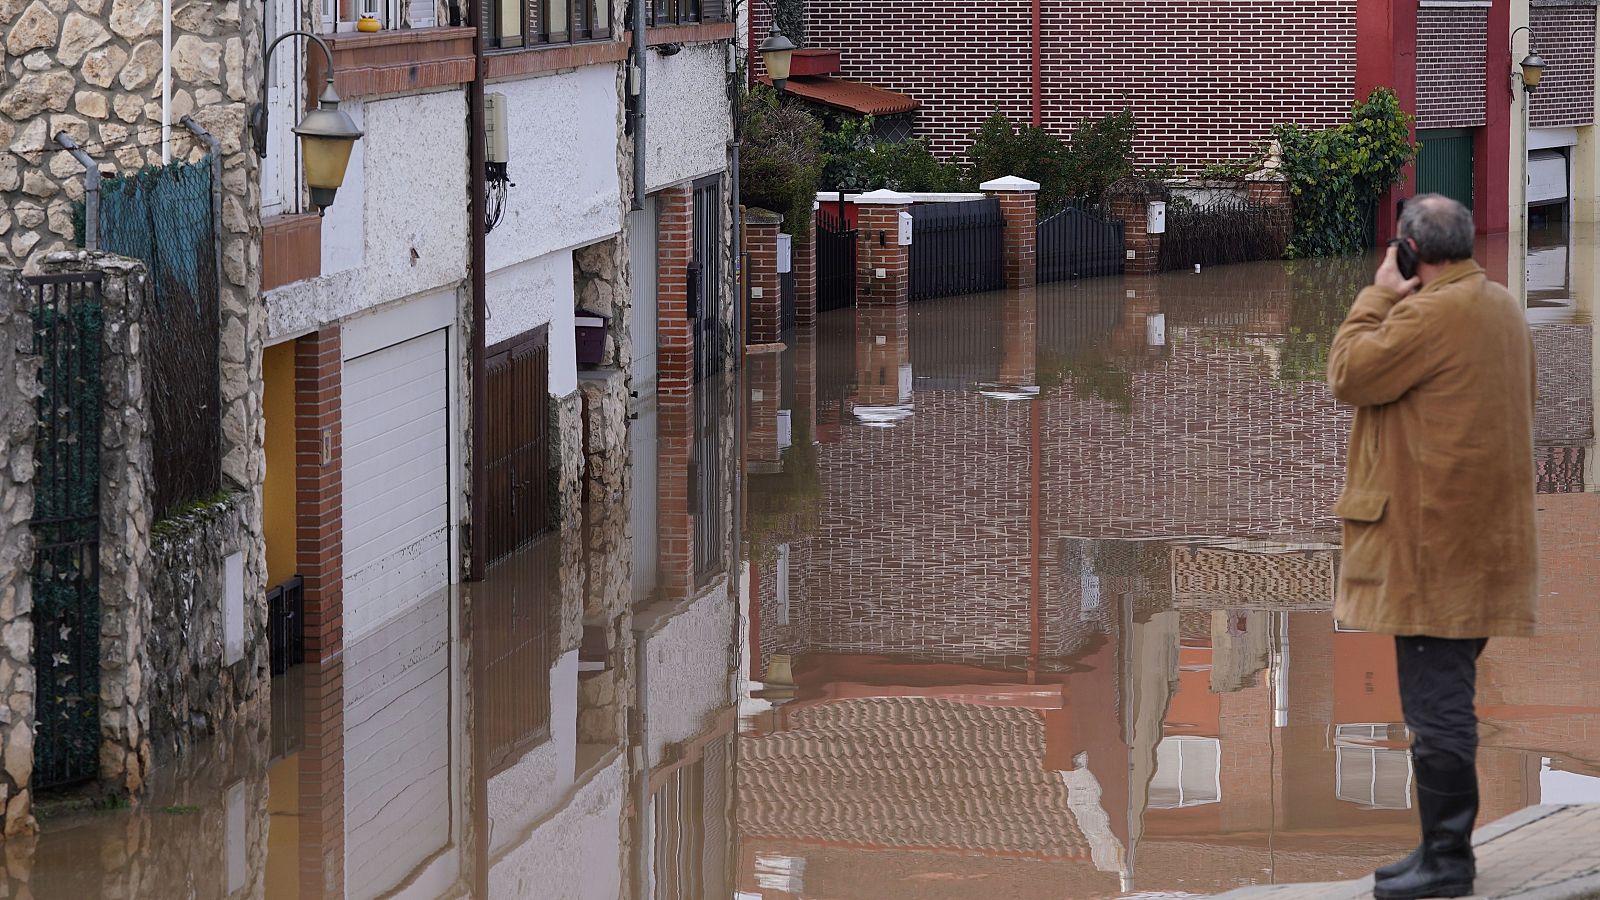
x=67 y=329
x=1223 y=232
x=518 y=444
x=957 y=248
x=705 y=277
x=836 y=259
x=1078 y=242
x=706 y=484
x=163 y=216
x=286 y=625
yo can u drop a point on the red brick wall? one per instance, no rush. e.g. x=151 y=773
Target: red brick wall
x=1206 y=81
x=1450 y=66
x=765 y=323
x=674 y=339
x=1564 y=36
x=319 y=489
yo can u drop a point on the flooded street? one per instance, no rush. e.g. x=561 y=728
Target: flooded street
x=1021 y=595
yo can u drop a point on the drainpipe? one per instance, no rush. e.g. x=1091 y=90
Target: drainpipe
x=91 y=190
x=639 y=753
x=476 y=151
x=216 y=185
x=1038 y=104
x=166 y=86
x=636 y=85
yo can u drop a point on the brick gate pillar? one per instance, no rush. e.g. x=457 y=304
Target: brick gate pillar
x=1019 y=205
x=1143 y=248
x=319 y=489
x=803 y=264
x=764 y=324
x=883 y=266
x=674 y=250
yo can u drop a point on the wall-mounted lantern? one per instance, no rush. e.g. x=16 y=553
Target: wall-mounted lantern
x=777 y=51
x=326 y=133
x=1532 y=65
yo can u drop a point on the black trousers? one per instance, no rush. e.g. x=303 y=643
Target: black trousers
x=1438 y=682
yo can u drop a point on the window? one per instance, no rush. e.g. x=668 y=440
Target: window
x=342 y=15
x=509 y=24
x=686 y=12
x=1188 y=772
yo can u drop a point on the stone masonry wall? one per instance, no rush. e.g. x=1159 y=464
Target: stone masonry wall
x=18 y=421
x=93 y=69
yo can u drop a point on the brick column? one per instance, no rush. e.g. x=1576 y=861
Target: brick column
x=878 y=250
x=803 y=263
x=1143 y=249
x=319 y=489
x=764 y=324
x=674 y=249
x=1273 y=193
x=1019 y=204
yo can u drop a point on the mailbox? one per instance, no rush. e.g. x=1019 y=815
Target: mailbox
x=904 y=238
x=785 y=253
x=1156 y=217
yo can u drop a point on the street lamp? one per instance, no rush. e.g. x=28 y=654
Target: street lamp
x=1532 y=72
x=326 y=133
x=776 y=53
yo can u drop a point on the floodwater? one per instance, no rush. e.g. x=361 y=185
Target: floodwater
x=1021 y=595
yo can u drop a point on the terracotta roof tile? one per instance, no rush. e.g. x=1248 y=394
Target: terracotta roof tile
x=853 y=96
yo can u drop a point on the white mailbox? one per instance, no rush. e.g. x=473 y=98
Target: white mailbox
x=1156 y=217
x=905 y=230
x=785 y=245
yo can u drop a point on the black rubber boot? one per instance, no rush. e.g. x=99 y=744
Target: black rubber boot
x=1444 y=864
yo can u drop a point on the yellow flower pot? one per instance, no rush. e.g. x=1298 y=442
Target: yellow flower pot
x=368 y=24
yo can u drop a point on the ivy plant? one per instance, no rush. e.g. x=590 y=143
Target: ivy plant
x=781 y=159
x=1337 y=174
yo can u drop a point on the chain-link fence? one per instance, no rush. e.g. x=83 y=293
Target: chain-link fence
x=163 y=215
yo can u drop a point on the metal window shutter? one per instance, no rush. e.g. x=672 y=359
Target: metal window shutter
x=396 y=480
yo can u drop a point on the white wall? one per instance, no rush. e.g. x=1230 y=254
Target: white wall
x=562 y=136
x=537 y=785
x=688 y=118
x=577 y=853
x=530 y=294
x=399 y=225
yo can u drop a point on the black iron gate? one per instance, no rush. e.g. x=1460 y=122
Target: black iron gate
x=836 y=259
x=957 y=248
x=1079 y=242
x=67 y=327
x=705 y=276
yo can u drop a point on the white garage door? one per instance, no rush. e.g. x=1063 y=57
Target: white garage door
x=396 y=480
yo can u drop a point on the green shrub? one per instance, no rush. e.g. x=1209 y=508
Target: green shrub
x=781 y=159
x=1101 y=153
x=854 y=159
x=1002 y=147
x=1336 y=174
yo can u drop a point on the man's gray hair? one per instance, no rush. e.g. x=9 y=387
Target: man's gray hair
x=1441 y=227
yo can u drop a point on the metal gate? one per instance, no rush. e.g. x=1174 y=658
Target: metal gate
x=705 y=484
x=67 y=327
x=705 y=276
x=1078 y=243
x=517 y=443
x=1444 y=163
x=836 y=259
x=957 y=248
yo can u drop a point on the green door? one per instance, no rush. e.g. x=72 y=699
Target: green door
x=1444 y=165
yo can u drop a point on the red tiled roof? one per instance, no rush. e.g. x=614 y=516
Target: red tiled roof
x=854 y=96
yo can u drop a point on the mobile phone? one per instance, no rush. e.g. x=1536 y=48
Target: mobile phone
x=1405 y=258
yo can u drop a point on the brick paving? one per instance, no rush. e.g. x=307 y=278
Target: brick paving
x=1540 y=853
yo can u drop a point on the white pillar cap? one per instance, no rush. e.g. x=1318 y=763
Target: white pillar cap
x=883 y=198
x=1009 y=183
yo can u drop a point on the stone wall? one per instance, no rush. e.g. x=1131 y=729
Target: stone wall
x=193 y=689
x=18 y=386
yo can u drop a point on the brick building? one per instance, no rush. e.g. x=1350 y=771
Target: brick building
x=1208 y=81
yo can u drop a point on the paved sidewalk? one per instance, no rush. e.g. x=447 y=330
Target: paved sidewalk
x=1540 y=853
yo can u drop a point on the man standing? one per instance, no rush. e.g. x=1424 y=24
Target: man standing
x=1438 y=507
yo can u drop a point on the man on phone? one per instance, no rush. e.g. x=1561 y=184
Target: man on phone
x=1440 y=548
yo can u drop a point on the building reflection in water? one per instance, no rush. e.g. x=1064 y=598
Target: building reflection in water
x=1024 y=593
x=1065 y=630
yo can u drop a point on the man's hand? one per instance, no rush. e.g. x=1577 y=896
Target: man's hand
x=1389 y=277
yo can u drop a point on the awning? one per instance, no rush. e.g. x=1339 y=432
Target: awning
x=849 y=95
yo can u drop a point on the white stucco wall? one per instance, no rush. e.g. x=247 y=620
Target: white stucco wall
x=562 y=143
x=576 y=853
x=532 y=293
x=689 y=121
x=399 y=224
x=688 y=682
